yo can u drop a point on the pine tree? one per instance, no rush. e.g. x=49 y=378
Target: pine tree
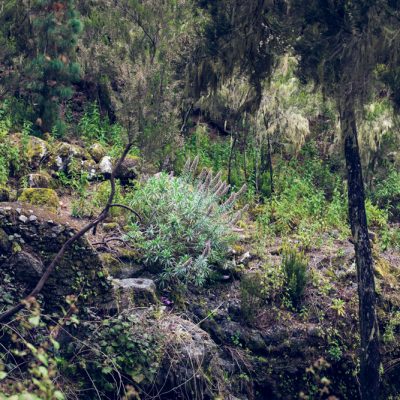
x=53 y=70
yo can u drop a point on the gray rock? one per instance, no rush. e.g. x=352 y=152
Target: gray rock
x=23 y=218
x=28 y=267
x=134 y=291
x=28 y=241
x=105 y=165
x=189 y=353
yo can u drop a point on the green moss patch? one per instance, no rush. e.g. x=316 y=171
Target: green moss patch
x=40 y=197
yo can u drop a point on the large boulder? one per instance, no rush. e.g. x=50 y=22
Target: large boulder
x=191 y=366
x=139 y=292
x=97 y=151
x=27 y=267
x=36 y=151
x=128 y=169
x=106 y=165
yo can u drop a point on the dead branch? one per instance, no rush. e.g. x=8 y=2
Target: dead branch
x=129 y=209
x=92 y=225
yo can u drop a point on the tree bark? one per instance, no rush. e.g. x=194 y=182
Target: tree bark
x=369 y=330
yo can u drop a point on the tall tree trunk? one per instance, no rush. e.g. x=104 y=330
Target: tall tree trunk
x=369 y=331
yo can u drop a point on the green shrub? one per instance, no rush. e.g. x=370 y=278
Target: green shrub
x=187 y=227
x=300 y=206
x=294 y=267
x=376 y=217
x=387 y=193
x=252 y=296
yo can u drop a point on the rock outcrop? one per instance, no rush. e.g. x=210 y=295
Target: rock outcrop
x=29 y=240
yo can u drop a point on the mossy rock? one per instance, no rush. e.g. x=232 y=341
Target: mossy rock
x=66 y=150
x=128 y=169
x=36 y=151
x=40 y=197
x=90 y=167
x=63 y=154
x=111 y=264
x=117 y=269
x=38 y=180
x=129 y=255
x=97 y=151
x=238 y=248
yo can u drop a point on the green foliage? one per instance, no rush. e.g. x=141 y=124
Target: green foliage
x=94 y=128
x=387 y=193
x=38 y=382
x=294 y=267
x=212 y=153
x=186 y=226
x=376 y=217
x=320 y=205
x=252 y=296
x=392 y=326
x=125 y=349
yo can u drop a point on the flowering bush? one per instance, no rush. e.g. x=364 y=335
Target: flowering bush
x=187 y=224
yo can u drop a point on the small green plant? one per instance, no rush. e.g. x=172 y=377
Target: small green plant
x=235 y=338
x=338 y=305
x=187 y=224
x=335 y=351
x=318 y=385
x=393 y=324
x=294 y=267
x=252 y=296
